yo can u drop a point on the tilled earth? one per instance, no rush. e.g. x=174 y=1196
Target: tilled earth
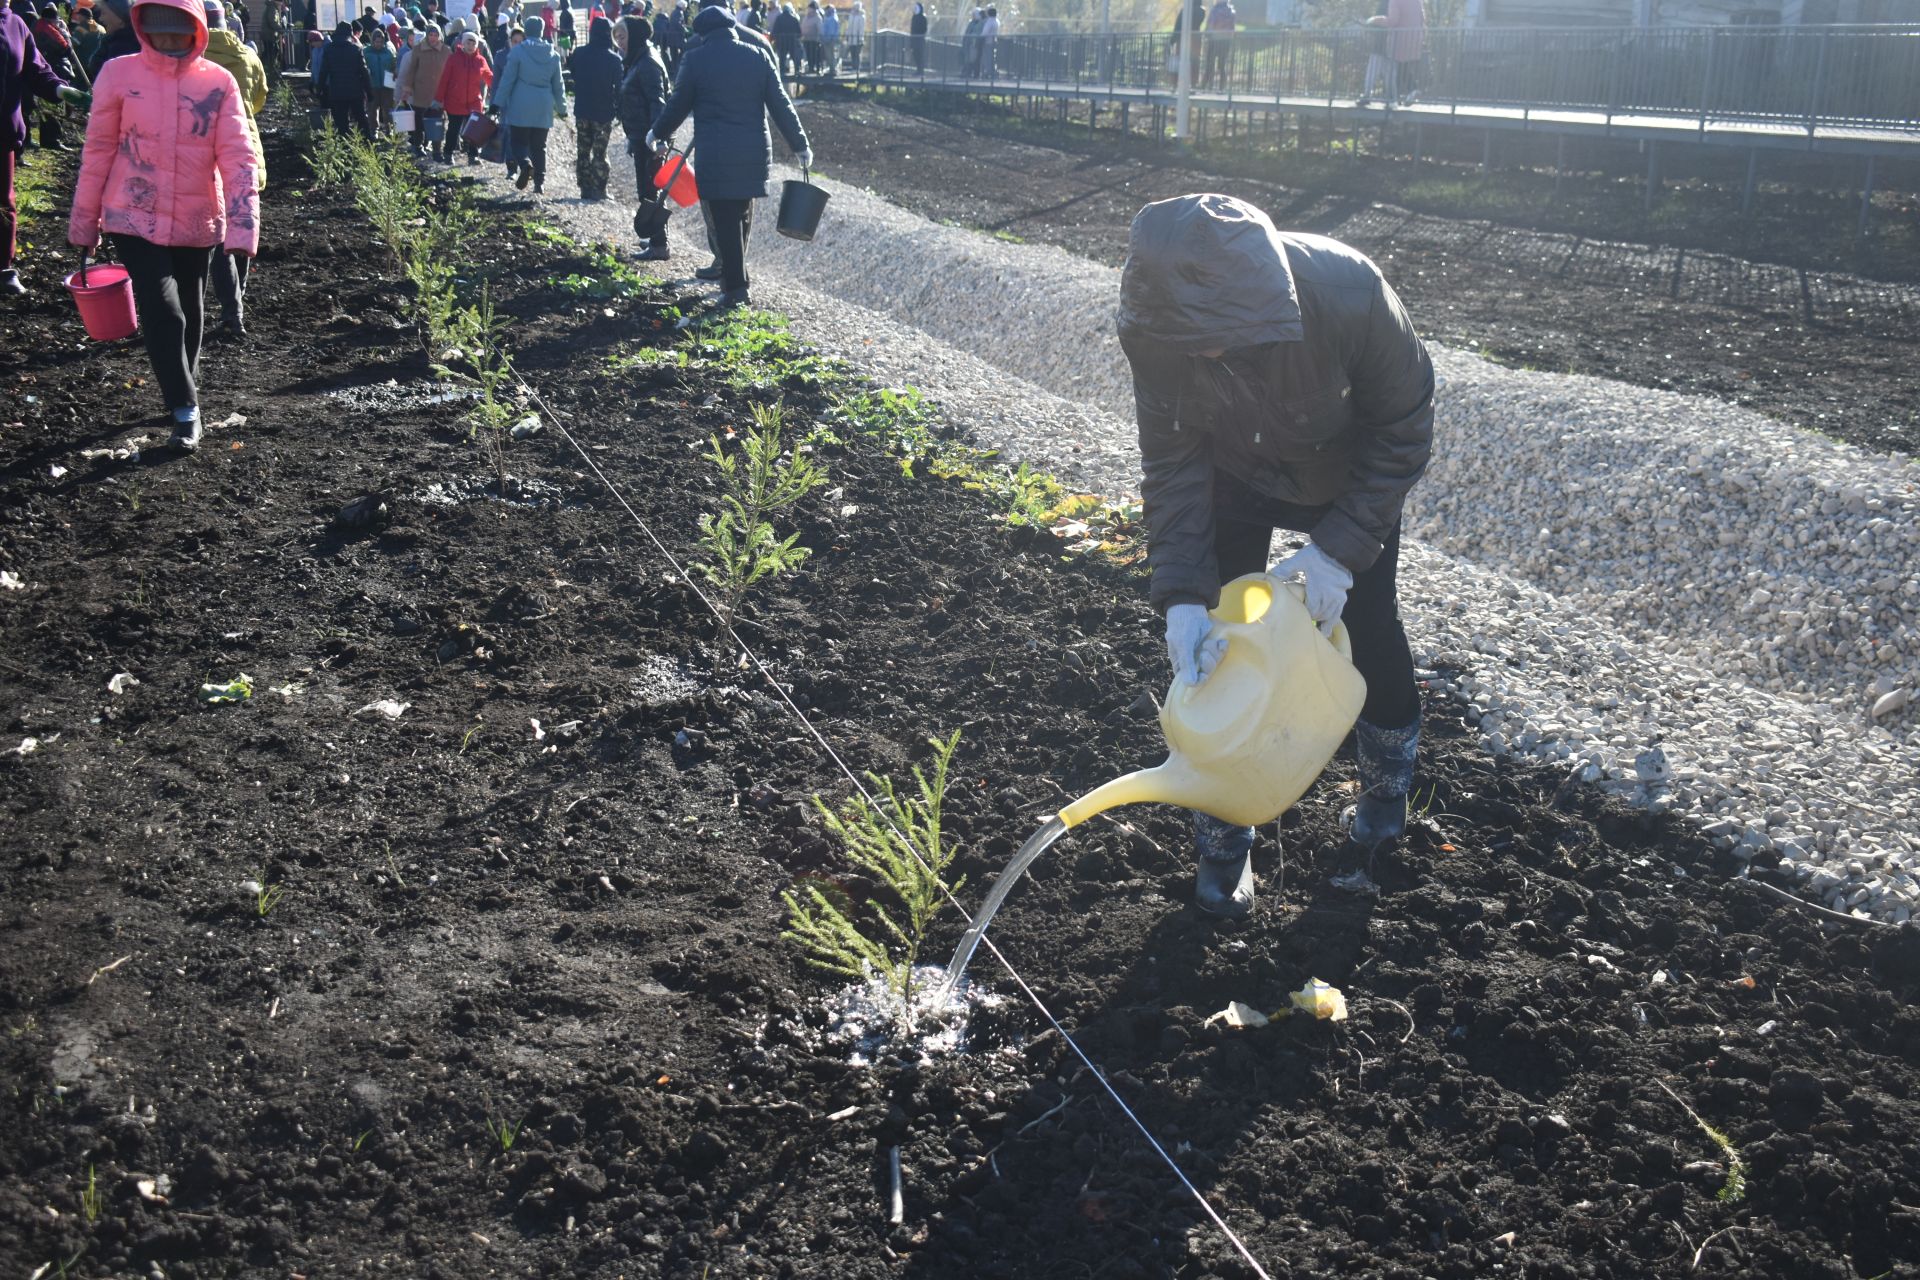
x=573 y=929
x=1830 y=352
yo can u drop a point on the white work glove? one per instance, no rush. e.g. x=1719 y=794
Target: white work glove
x=806 y=157
x=1193 y=655
x=651 y=144
x=1327 y=581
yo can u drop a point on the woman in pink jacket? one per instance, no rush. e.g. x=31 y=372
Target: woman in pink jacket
x=169 y=173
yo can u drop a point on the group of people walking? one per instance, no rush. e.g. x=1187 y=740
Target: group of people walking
x=173 y=168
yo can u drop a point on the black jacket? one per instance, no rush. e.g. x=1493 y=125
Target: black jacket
x=118 y=45
x=1324 y=399
x=728 y=85
x=597 y=78
x=643 y=93
x=343 y=72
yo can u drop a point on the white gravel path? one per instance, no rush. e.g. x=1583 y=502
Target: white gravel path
x=1684 y=601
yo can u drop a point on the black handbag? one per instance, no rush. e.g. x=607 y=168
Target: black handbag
x=650 y=219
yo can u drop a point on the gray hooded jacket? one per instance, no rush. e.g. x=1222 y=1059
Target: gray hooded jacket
x=1324 y=399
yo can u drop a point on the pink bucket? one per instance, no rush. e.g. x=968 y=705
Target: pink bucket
x=105 y=301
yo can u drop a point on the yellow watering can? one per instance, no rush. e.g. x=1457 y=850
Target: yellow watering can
x=1244 y=745
x=1250 y=741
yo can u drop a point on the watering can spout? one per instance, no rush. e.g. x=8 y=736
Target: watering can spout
x=1170 y=783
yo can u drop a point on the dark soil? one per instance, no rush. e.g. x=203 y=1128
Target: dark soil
x=1833 y=353
x=578 y=933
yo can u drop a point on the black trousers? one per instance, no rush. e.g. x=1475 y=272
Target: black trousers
x=229 y=272
x=530 y=145
x=645 y=165
x=1242 y=535
x=451 y=140
x=169 y=285
x=351 y=113
x=728 y=222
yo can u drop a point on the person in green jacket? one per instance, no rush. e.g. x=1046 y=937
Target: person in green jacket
x=229 y=270
x=380 y=69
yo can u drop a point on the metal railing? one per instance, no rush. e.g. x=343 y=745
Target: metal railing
x=1834 y=76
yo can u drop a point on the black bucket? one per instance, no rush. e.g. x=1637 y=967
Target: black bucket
x=801 y=204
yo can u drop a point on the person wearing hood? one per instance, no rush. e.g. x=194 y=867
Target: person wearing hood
x=917 y=36
x=229 y=270
x=462 y=90
x=169 y=172
x=810 y=36
x=23 y=74
x=1278 y=383
x=643 y=96
x=380 y=74
x=597 y=77
x=853 y=34
x=50 y=38
x=532 y=92
x=729 y=86
x=342 y=83
x=786 y=39
x=119 y=41
x=417 y=85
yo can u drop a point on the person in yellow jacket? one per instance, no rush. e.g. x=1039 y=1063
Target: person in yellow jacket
x=224 y=49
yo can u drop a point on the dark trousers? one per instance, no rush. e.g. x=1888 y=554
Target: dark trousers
x=169 y=284
x=456 y=125
x=9 y=210
x=728 y=222
x=1217 y=51
x=1240 y=543
x=645 y=165
x=229 y=272
x=530 y=147
x=351 y=113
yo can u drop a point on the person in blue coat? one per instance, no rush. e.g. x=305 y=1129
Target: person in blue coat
x=597 y=75
x=728 y=84
x=531 y=93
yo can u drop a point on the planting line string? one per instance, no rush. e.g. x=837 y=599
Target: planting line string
x=780 y=691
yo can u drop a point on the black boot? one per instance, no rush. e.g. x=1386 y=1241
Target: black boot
x=1386 y=758
x=1223 y=885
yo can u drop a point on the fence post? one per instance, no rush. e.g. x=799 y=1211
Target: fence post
x=1819 y=83
x=1613 y=86
x=1706 y=87
x=1866 y=197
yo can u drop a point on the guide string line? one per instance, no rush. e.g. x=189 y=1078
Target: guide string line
x=827 y=747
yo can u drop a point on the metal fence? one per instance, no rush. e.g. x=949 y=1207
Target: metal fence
x=1810 y=76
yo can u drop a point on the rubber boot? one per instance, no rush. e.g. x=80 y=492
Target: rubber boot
x=1224 y=884
x=1386 y=758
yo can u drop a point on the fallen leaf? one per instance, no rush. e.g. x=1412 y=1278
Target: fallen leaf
x=1321 y=1000
x=1237 y=1014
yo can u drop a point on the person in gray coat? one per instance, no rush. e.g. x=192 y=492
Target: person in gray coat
x=728 y=84
x=1278 y=383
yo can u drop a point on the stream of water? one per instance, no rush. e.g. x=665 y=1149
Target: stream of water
x=1038 y=843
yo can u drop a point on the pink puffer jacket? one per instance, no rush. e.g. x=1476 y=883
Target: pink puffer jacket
x=168 y=157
